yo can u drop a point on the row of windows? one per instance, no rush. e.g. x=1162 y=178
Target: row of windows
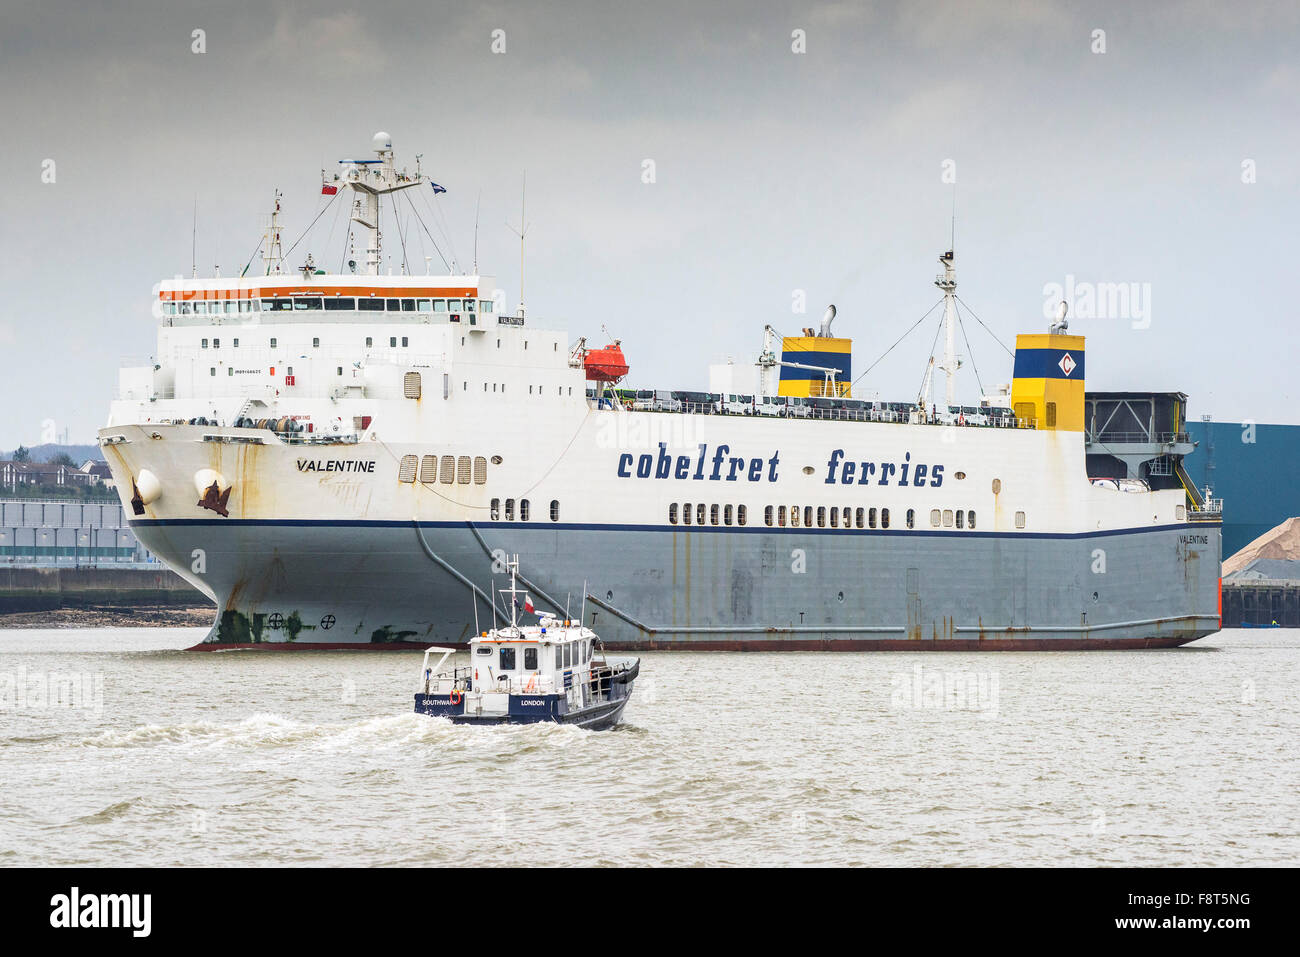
x=729 y=514
x=525 y=510
x=948 y=517
x=449 y=469
x=567 y=655
x=315 y=342
x=559 y=389
x=821 y=516
x=231 y=307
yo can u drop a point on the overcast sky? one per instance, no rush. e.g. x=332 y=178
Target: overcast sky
x=775 y=171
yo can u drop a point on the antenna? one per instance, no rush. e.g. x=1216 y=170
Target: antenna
x=952 y=239
x=583 y=618
x=194 y=235
x=476 y=205
x=521 y=232
x=476 y=628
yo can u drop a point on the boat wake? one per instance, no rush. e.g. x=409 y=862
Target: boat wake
x=266 y=730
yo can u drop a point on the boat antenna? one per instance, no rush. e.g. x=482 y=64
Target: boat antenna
x=952 y=238
x=476 y=205
x=521 y=232
x=584 y=602
x=476 y=628
x=194 y=238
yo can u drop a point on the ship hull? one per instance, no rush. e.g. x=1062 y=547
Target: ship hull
x=393 y=584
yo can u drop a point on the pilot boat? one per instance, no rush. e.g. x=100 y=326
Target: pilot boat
x=555 y=670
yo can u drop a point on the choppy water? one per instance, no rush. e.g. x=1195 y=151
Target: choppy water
x=1184 y=756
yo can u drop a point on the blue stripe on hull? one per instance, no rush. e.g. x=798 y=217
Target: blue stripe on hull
x=699 y=529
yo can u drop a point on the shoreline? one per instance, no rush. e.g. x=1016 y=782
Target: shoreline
x=109 y=616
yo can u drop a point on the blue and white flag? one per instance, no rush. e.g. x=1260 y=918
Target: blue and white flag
x=437 y=188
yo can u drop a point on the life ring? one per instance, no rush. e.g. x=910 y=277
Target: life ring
x=455 y=697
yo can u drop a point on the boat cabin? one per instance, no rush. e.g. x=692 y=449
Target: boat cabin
x=551 y=661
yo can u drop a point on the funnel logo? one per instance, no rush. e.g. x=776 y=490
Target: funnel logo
x=1066 y=364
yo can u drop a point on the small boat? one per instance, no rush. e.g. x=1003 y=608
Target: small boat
x=1251 y=624
x=555 y=670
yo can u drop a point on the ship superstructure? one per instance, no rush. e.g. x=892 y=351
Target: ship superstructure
x=345 y=459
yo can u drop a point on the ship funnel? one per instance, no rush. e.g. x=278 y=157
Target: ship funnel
x=826 y=322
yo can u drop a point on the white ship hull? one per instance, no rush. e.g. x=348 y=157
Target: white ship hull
x=352 y=556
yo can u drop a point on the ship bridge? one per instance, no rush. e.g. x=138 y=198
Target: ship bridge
x=1139 y=435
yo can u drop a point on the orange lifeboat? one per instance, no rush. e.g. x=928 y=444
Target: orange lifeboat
x=605 y=365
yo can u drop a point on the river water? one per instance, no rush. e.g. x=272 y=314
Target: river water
x=119 y=748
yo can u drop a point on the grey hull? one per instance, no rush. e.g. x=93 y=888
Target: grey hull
x=385 y=584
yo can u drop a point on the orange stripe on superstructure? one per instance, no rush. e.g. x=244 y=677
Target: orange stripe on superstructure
x=459 y=292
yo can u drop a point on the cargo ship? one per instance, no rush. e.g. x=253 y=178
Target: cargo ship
x=344 y=461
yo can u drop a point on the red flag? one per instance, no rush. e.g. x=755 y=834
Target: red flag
x=327 y=189
x=528 y=605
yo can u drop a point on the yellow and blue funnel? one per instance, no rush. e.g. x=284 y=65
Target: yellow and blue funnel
x=822 y=352
x=1047 y=384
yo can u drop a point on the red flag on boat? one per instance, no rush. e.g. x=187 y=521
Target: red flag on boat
x=328 y=189
x=528 y=605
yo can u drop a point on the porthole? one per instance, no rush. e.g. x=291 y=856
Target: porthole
x=406 y=470
x=496 y=460
x=959 y=476
x=997 y=486
x=429 y=469
x=808 y=470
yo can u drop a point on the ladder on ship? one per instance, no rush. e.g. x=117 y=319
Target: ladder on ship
x=1193 y=493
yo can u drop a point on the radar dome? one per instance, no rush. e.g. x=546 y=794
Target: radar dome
x=381 y=141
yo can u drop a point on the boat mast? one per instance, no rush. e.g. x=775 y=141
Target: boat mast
x=513 y=567
x=521 y=232
x=950 y=364
x=272 y=254
x=370 y=179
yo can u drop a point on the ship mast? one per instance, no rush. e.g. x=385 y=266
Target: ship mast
x=369 y=179
x=512 y=565
x=272 y=255
x=950 y=364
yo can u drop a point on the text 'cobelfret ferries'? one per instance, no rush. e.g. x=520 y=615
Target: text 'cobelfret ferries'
x=723 y=466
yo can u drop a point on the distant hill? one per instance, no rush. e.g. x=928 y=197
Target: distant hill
x=43 y=453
